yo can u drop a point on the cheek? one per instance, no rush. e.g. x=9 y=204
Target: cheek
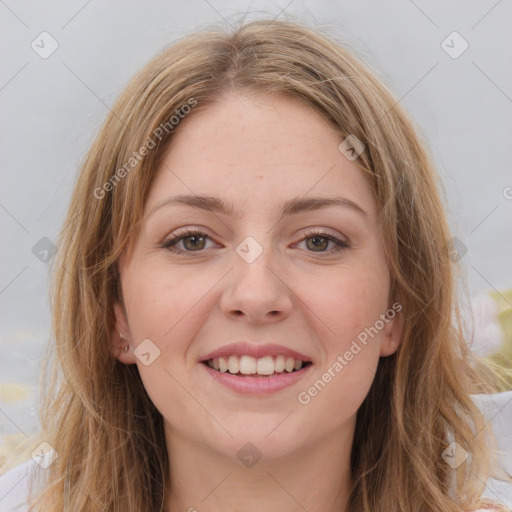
x=347 y=301
x=160 y=300
x=347 y=307
x=350 y=355
x=164 y=305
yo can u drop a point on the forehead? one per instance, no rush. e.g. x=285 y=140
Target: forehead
x=256 y=149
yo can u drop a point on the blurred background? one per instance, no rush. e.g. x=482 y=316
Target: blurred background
x=64 y=63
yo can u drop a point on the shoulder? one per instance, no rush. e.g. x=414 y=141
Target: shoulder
x=497 y=409
x=14 y=488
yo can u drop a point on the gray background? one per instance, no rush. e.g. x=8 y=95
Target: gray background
x=52 y=108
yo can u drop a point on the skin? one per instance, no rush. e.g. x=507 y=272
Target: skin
x=256 y=151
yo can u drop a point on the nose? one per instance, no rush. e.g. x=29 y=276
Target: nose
x=257 y=293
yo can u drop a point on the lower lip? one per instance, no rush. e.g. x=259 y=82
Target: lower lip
x=257 y=385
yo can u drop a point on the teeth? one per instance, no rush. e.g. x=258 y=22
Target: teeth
x=289 y=364
x=248 y=365
x=279 y=364
x=233 y=364
x=265 y=366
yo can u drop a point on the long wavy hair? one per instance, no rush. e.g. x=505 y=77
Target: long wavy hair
x=95 y=411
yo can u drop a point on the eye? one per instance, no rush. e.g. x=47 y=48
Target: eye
x=193 y=240
x=316 y=239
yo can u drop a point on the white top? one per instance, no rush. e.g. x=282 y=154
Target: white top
x=496 y=407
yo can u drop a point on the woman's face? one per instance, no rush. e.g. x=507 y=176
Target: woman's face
x=264 y=277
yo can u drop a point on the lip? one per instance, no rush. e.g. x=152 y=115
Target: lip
x=249 y=385
x=258 y=351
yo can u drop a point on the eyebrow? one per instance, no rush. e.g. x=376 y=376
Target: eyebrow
x=289 y=207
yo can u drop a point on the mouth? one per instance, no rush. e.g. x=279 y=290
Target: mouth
x=264 y=367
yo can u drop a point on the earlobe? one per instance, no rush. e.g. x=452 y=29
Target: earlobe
x=389 y=348
x=392 y=335
x=121 y=342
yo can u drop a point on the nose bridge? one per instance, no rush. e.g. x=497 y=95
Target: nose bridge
x=256 y=290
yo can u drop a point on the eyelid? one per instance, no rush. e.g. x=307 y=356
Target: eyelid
x=173 y=239
x=342 y=243
x=184 y=233
x=320 y=231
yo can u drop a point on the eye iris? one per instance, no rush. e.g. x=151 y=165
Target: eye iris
x=315 y=240
x=195 y=243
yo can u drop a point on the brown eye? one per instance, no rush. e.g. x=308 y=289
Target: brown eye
x=195 y=242
x=188 y=241
x=317 y=242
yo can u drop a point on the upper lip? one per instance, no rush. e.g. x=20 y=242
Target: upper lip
x=258 y=351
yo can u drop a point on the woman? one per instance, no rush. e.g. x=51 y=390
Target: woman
x=254 y=294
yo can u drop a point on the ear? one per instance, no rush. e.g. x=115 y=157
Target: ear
x=391 y=334
x=121 y=337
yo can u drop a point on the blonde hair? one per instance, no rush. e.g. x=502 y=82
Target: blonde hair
x=96 y=412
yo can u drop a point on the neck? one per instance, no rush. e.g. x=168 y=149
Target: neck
x=318 y=478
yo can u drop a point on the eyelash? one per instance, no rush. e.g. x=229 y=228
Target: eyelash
x=170 y=243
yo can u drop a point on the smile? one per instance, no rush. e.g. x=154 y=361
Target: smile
x=258 y=367
x=248 y=380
